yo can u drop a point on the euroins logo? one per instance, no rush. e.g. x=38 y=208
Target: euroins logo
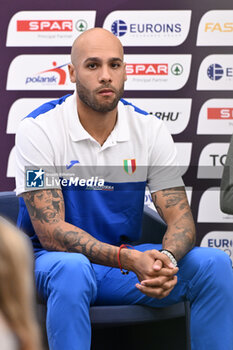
x=56 y=79
x=216 y=72
x=120 y=28
x=224 y=244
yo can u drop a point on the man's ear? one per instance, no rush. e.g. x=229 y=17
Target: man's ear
x=125 y=75
x=72 y=73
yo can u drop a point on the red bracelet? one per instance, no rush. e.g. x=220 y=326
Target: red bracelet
x=118 y=257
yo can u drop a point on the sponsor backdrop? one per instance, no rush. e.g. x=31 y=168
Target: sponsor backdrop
x=180 y=69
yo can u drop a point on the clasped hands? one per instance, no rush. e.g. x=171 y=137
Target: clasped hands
x=156 y=274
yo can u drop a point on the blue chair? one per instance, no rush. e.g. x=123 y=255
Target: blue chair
x=114 y=316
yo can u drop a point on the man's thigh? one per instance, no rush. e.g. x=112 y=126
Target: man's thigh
x=63 y=271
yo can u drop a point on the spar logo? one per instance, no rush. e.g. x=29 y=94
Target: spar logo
x=153 y=69
x=81 y=25
x=61 y=25
x=177 y=69
x=216 y=117
x=48 y=28
x=220 y=113
x=44 y=25
x=120 y=28
x=147 y=69
x=59 y=78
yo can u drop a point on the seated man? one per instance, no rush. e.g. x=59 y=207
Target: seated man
x=79 y=223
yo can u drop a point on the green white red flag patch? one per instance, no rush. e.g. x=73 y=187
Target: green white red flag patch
x=130 y=166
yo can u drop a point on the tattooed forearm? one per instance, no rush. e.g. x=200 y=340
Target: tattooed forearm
x=173 y=207
x=180 y=236
x=79 y=241
x=46 y=209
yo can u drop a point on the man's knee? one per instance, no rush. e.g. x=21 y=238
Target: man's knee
x=205 y=261
x=221 y=258
x=210 y=257
x=220 y=270
x=208 y=266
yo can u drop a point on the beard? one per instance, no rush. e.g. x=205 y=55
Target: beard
x=88 y=97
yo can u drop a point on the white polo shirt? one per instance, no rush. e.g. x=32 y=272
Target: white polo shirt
x=138 y=152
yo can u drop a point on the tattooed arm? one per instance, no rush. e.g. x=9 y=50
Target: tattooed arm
x=46 y=210
x=173 y=207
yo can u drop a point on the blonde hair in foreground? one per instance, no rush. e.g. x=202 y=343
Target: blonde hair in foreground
x=16 y=286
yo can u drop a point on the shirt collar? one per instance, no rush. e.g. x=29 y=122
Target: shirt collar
x=121 y=129
x=77 y=132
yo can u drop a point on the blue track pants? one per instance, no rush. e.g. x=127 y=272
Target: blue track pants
x=70 y=284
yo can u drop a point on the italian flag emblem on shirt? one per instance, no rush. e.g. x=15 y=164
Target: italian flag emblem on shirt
x=130 y=166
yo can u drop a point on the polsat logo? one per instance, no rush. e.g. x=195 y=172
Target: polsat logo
x=147 y=69
x=44 y=26
x=48 y=77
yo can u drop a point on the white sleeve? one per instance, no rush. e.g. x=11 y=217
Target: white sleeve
x=33 y=152
x=164 y=171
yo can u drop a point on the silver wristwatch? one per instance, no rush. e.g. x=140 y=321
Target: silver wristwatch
x=170 y=256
